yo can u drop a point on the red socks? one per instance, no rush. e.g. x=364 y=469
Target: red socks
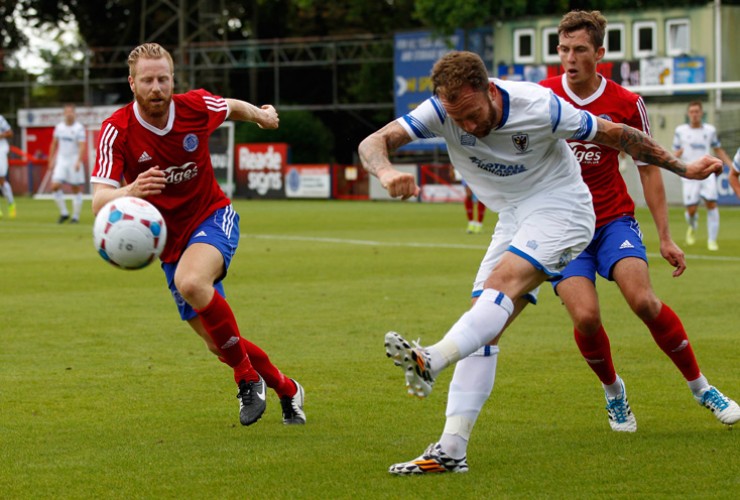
x=218 y=320
x=669 y=334
x=469 y=208
x=598 y=354
x=248 y=360
x=481 y=211
x=274 y=378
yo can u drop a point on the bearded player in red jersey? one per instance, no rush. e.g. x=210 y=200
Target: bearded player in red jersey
x=617 y=252
x=158 y=145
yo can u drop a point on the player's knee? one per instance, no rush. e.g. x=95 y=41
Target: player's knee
x=588 y=322
x=646 y=306
x=192 y=289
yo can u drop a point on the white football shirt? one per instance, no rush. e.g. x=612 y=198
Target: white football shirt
x=696 y=142
x=4 y=127
x=526 y=154
x=68 y=139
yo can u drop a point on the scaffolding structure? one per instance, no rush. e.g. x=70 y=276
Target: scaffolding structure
x=194 y=32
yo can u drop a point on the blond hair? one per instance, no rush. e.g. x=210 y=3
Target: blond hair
x=592 y=21
x=148 y=51
x=456 y=71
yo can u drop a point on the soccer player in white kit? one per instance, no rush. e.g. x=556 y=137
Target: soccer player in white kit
x=690 y=141
x=7 y=191
x=66 y=159
x=507 y=139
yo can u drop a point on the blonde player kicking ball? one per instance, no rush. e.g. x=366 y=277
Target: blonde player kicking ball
x=617 y=252
x=159 y=145
x=507 y=140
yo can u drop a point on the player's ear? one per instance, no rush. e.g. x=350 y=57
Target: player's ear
x=131 y=82
x=600 y=53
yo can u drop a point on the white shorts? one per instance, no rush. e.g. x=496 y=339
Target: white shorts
x=64 y=171
x=3 y=163
x=694 y=191
x=549 y=230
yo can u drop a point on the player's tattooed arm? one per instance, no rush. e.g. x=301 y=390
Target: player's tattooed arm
x=638 y=145
x=374 y=149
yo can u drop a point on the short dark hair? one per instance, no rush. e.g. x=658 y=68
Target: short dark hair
x=592 y=21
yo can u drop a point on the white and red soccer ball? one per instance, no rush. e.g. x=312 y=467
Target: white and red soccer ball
x=129 y=232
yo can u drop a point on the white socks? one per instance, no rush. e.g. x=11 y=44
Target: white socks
x=613 y=390
x=691 y=220
x=476 y=328
x=59 y=200
x=8 y=193
x=470 y=388
x=76 y=206
x=699 y=385
x=713 y=224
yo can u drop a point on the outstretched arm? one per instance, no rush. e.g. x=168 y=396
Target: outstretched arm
x=373 y=151
x=265 y=116
x=641 y=146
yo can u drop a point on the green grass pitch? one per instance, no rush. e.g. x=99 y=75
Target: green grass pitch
x=104 y=393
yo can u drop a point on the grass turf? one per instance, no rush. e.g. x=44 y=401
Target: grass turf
x=104 y=393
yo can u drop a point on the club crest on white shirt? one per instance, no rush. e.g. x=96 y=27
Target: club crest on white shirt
x=521 y=142
x=467 y=140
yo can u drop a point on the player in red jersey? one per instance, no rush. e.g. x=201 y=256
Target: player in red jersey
x=157 y=148
x=617 y=252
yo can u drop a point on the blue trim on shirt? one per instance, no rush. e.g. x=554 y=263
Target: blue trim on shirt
x=419 y=129
x=555 y=111
x=505 y=107
x=441 y=112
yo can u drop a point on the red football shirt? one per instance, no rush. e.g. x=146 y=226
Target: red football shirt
x=129 y=146
x=600 y=164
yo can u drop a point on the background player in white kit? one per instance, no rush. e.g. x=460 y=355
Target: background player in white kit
x=507 y=140
x=66 y=160
x=690 y=141
x=7 y=191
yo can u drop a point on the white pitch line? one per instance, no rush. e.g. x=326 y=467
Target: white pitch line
x=411 y=244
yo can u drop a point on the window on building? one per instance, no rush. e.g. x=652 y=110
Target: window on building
x=678 y=34
x=644 y=39
x=614 y=41
x=523 y=46
x=550 y=45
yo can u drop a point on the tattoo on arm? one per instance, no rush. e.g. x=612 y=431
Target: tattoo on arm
x=638 y=145
x=374 y=149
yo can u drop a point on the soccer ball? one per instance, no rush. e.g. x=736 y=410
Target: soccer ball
x=129 y=232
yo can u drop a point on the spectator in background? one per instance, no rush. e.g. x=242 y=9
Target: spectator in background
x=690 y=141
x=7 y=191
x=66 y=161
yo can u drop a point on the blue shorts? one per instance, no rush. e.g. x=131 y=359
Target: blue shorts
x=221 y=230
x=612 y=242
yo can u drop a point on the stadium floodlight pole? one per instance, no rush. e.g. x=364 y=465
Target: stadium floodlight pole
x=717 y=52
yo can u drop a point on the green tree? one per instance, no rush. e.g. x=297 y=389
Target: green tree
x=310 y=140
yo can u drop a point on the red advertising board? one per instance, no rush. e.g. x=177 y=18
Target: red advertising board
x=259 y=170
